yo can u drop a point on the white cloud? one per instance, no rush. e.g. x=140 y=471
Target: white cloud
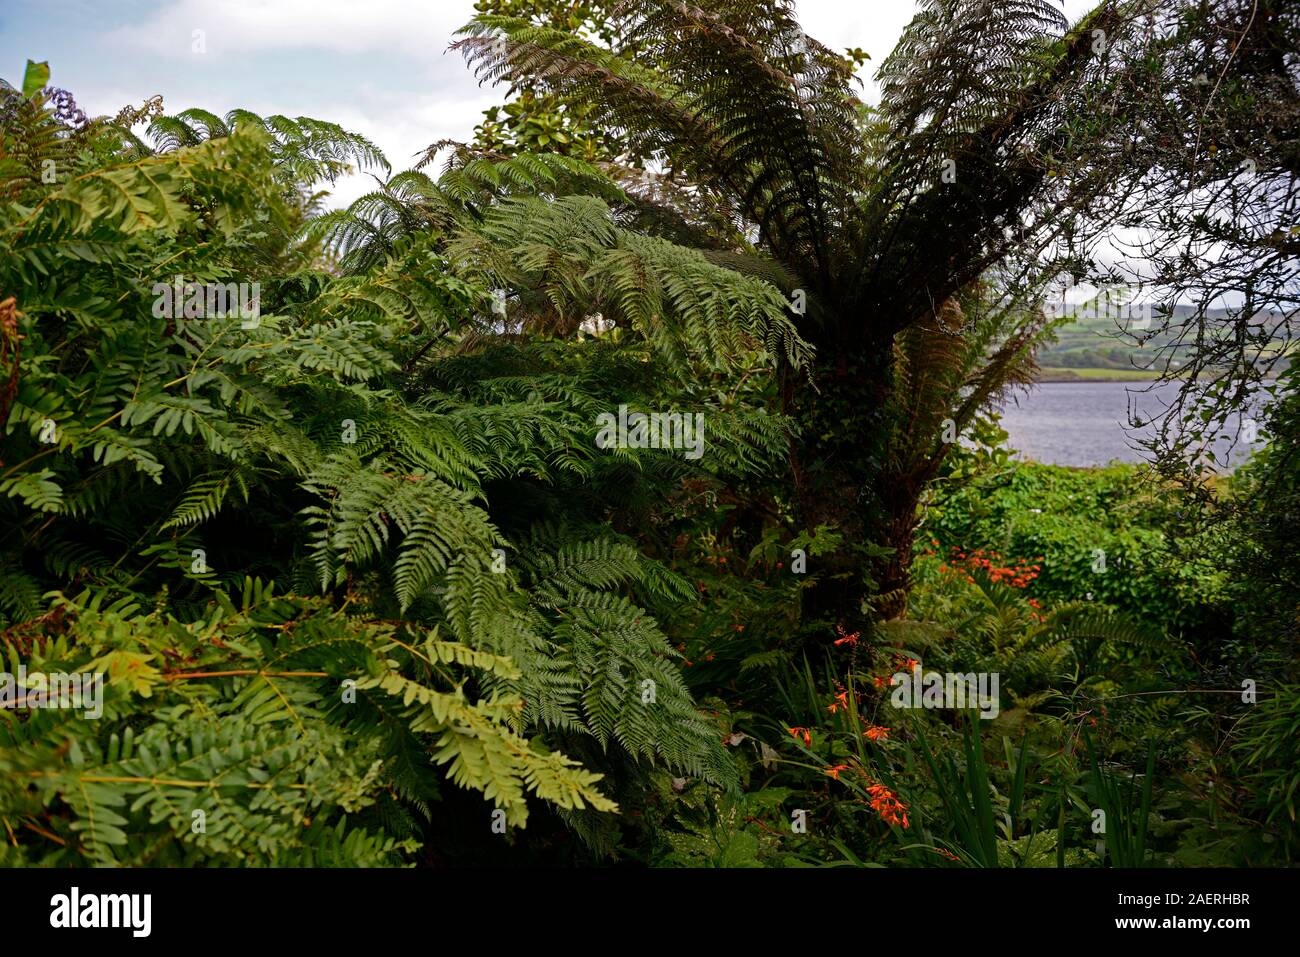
x=873 y=27
x=340 y=26
x=405 y=130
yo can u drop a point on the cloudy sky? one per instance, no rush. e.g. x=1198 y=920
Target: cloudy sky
x=378 y=67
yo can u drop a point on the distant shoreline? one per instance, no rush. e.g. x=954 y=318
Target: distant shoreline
x=1095 y=375
x=1056 y=375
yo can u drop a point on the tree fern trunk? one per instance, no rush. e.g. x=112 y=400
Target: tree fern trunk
x=894 y=573
x=838 y=462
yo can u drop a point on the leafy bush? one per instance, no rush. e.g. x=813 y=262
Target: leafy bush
x=1099 y=535
x=363 y=439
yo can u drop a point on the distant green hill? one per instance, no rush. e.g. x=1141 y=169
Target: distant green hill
x=1099 y=347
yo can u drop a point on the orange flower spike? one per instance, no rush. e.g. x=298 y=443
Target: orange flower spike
x=834 y=772
x=876 y=733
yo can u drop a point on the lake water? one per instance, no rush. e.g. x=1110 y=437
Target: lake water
x=1086 y=423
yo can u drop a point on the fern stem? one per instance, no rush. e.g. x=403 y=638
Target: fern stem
x=185 y=675
x=39 y=830
x=167 y=782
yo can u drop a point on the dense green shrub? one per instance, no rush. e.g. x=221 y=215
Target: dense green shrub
x=361 y=437
x=1099 y=535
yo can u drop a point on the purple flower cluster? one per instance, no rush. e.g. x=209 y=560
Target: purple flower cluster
x=65 y=107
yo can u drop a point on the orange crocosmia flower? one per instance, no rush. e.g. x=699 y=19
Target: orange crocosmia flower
x=835 y=771
x=895 y=817
x=841 y=701
x=876 y=733
x=886 y=803
x=798 y=733
x=882 y=682
x=845 y=638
